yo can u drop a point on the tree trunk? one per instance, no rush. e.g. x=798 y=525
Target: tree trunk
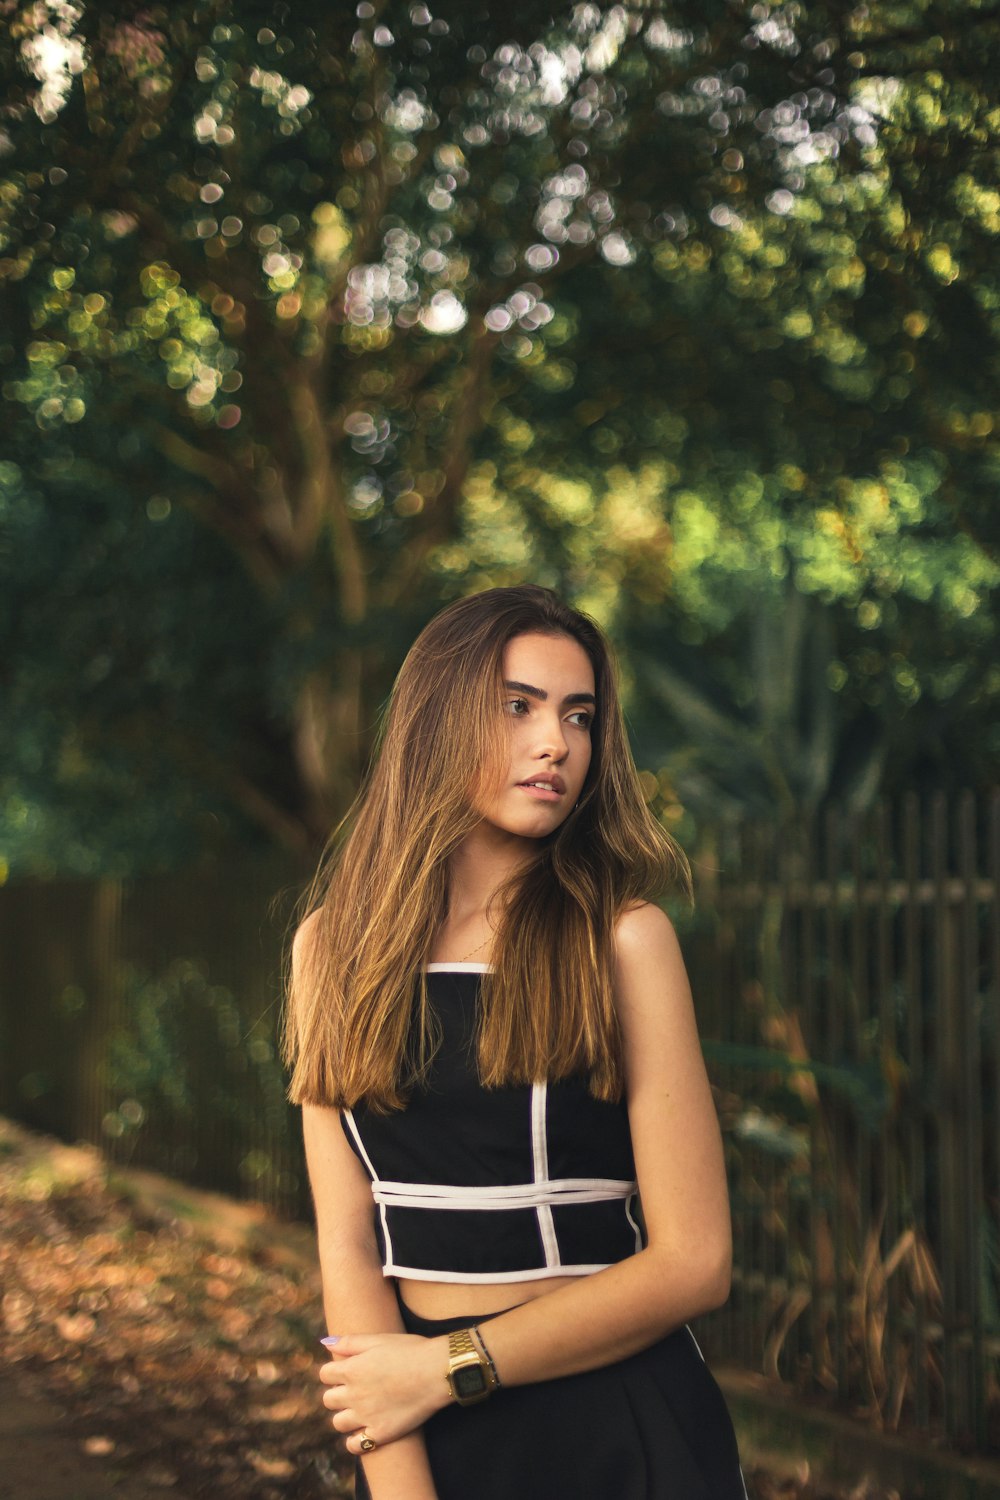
x=331 y=742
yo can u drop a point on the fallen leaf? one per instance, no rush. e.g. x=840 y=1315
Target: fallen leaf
x=98 y=1447
x=16 y=1312
x=76 y=1328
x=272 y=1468
x=164 y=1479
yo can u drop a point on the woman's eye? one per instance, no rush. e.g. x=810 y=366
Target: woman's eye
x=582 y=719
x=517 y=706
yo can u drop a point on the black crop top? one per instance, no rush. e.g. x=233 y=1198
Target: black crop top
x=508 y=1184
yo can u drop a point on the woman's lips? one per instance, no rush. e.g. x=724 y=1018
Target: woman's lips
x=540 y=793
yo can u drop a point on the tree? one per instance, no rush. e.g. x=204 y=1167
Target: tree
x=318 y=281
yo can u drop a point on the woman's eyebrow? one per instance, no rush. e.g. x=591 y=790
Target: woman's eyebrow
x=542 y=695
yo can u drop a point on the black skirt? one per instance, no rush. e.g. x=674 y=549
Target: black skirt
x=651 y=1427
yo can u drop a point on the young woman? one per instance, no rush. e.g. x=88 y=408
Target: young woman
x=512 y=1144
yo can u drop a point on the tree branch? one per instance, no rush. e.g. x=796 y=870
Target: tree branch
x=229 y=523
x=321 y=497
x=465 y=424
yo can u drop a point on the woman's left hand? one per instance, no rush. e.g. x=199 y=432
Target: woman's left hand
x=385 y=1383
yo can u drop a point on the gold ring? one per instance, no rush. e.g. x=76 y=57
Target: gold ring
x=367 y=1443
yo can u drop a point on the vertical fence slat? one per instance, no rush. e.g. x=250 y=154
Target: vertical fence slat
x=748 y=874
x=857 y=1053
x=991 y=1074
x=789 y=997
x=991 y=947
x=948 y=1030
x=890 y=1177
x=913 y=996
x=833 y=1055
x=811 y=1028
x=972 y=1176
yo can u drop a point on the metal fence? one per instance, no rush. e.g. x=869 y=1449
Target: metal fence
x=846 y=972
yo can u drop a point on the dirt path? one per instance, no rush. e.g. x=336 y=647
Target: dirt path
x=40 y=1460
x=155 y=1341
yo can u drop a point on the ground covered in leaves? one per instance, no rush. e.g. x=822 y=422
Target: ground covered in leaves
x=182 y=1341
x=177 y=1331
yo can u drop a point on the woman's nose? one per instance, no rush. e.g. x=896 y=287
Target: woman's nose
x=552 y=741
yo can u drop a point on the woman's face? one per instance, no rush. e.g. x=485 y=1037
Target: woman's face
x=548 y=705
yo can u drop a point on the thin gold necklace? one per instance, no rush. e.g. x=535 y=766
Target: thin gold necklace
x=479 y=947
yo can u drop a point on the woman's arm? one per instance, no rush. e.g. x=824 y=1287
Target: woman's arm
x=356 y=1296
x=685 y=1268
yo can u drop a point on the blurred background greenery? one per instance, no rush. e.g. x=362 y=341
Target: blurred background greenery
x=315 y=317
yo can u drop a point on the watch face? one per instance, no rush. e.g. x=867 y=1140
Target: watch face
x=469 y=1380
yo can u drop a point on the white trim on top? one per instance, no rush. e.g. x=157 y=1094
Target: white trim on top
x=540 y=1165
x=537 y=1273
x=634 y=1223
x=383 y=1215
x=502 y=1196
x=446 y=968
x=687 y=1330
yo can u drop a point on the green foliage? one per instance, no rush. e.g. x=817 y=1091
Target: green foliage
x=861 y=1086
x=183 y=1065
x=314 y=319
x=113 y=743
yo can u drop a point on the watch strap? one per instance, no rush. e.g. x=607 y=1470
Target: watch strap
x=460 y=1341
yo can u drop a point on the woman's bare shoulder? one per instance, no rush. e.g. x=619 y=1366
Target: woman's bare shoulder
x=304 y=943
x=641 y=925
x=649 y=966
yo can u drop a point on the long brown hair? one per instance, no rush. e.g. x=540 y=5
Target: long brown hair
x=381 y=890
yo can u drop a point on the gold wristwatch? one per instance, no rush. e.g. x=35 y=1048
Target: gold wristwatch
x=469 y=1376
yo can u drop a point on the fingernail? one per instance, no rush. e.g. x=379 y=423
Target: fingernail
x=333 y=1338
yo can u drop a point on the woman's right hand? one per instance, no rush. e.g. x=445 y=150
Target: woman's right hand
x=384 y=1385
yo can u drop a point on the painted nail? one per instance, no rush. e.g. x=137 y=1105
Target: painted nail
x=333 y=1338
